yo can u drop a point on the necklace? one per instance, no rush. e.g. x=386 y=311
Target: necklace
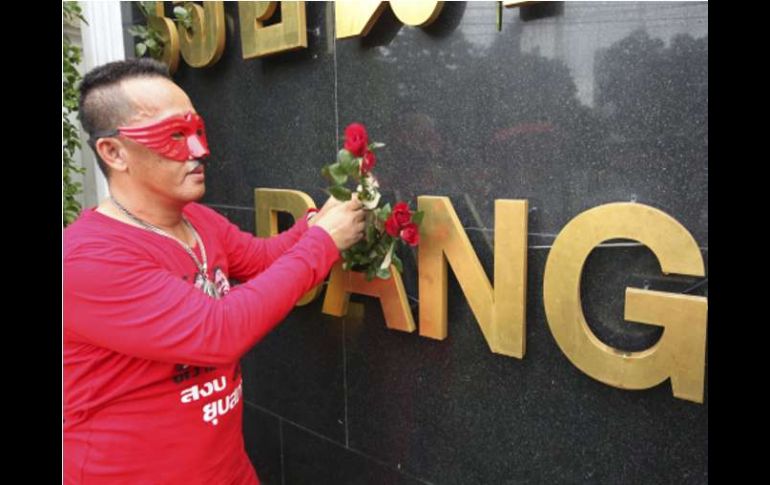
x=209 y=287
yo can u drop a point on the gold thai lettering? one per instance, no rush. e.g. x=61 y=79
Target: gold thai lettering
x=204 y=44
x=353 y=18
x=259 y=40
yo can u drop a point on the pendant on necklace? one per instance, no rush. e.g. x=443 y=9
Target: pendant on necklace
x=210 y=288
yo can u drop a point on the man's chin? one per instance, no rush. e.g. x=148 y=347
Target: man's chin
x=195 y=195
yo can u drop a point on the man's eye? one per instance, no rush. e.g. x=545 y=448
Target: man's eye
x=178 y=135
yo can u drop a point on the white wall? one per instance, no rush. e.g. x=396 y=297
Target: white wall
x=102 y=41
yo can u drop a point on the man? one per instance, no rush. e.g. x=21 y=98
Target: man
x=153 y=333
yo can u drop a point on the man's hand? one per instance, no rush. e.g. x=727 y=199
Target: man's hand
x=330 y=203
x=344 y=221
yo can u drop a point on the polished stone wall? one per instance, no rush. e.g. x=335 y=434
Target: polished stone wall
x=569 y=105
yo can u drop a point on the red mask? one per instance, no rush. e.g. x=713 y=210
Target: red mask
x=179 y=138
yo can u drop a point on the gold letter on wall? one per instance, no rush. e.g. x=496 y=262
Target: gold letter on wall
x=158 y=22
x=391 y=292
x=500 y=311
x=271 y=201
x=356 y=17
x=517 y=3
x=416 y=14
x=204 y=45
x=258 y=40
x=680 y=352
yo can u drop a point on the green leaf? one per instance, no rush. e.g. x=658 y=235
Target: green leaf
x=384 y=212
x=334 y=173
x=383 y=273
x=417 y=217
x=146 y=7
x=70 y=135
x=157 y=36
x=371 y=272
x=339 y=171
x=340 y=193
x=359 y=248
x=181 y=12
x=141 y=48
x=350 y=167
x=371 y=232
x=327 y=174
x=344 y=156
x=137 y=30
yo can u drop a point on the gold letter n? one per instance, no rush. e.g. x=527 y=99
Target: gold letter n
x=500 y=311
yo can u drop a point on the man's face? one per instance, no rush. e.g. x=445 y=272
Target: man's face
x=164 y=140
x=180 y=137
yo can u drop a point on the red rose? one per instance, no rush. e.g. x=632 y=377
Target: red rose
x=411 y=234
x=356 y=139
x=368 y=163
x=402 y=214
x=392 y=226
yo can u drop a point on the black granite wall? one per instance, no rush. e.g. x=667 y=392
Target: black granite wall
x=570 y=105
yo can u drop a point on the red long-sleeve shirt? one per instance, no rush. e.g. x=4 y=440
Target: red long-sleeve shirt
x=152 y=385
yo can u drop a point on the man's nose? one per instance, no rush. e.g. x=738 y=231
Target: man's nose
x=198 y=149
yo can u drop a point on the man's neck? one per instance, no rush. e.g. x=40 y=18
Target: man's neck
x=159 y=213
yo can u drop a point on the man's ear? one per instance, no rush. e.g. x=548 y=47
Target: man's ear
x=113 y=152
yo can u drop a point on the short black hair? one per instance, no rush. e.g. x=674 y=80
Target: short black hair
x=103 y=105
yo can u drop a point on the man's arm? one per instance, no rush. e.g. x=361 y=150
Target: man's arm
x=248 y=255
x=144 y=311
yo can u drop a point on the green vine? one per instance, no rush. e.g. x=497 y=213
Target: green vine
x=71 y=56
x=150 y=40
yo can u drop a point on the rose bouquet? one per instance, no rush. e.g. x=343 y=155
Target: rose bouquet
x=386 y=227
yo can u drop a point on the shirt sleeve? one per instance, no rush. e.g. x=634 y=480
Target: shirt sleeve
x=143 y=310
x=248 y=255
